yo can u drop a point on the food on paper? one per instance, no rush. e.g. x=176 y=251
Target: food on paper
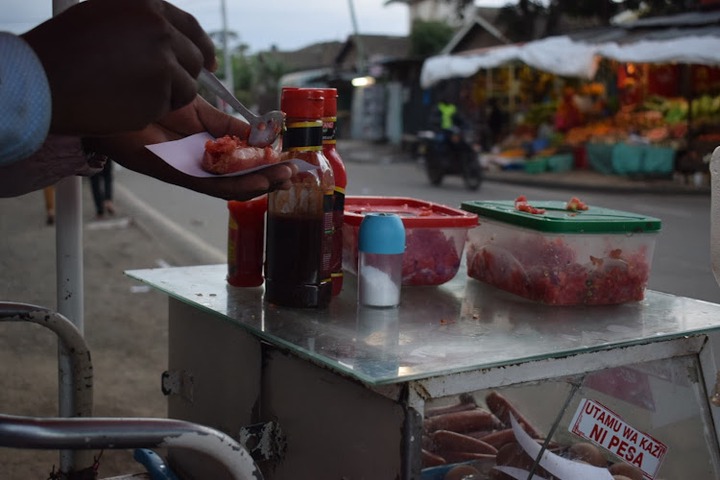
x=230 y=154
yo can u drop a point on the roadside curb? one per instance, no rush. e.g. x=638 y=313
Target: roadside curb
x=576 y=180
x=607 y=185
x=167 y=232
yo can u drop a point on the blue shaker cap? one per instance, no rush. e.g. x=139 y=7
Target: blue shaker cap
x=381 y=233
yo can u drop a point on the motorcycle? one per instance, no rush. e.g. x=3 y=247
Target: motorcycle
x=450 y=153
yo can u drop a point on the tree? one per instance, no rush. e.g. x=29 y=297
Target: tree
x=519 y=18
x=429 y=37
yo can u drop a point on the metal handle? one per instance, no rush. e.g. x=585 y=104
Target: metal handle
x=209 y=80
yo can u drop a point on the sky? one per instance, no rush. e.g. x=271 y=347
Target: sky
x=287 y=24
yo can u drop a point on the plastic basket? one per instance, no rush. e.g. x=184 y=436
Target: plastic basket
x=536 y=165
x=560 y=163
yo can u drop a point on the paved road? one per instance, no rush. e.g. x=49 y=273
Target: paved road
x=682 y=257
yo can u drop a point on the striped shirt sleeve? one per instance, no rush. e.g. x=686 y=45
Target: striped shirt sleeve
x=25 y=102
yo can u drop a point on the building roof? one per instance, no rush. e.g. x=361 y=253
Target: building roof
x=343 y=55
x=315 y=56
x=375 y=48
x=480 y=32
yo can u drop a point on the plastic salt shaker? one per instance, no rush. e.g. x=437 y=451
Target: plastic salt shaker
x=381 y=244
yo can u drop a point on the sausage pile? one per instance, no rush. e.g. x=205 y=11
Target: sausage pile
x=479 y=438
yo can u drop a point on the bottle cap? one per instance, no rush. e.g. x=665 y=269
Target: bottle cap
x=381 y=233
x=330 y=95
x=302 y=102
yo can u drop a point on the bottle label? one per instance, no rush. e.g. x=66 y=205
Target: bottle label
x=339 y=202
x=327 y=238
x=303 y=136
x=329 y=128
x=337 y=240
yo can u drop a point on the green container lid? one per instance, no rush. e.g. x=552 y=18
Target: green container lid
x=557 y=219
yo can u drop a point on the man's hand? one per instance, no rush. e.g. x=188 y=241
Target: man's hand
x=199 y=116
x=119 y=65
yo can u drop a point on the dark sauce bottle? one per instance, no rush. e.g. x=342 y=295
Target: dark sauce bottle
x=298 y=245
x=340 y=174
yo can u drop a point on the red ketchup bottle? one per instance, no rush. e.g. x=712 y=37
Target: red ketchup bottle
x=246 y=241
x=298 y=244
x=338 y=168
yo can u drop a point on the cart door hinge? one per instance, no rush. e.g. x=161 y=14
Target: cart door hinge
x=178 y=383
x=264 y=441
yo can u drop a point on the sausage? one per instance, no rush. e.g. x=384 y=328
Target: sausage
x=502 y=408
x=479 y=433
x=630 y=471
x=466 y=402
x=588 y=453
x=499 y=438
x=445 y=440
x=458 y=407
x=430 y=459
x=453 y=457
x=462 y=422
x=513 y=455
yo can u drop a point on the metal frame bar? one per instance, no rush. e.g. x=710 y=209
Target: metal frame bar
x=124 y=433
x=75 y=371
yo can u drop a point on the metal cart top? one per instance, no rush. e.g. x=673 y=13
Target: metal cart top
x=460 y=326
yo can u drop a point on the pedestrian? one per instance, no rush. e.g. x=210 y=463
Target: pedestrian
x=101 y=185
x=49 y=197
x=116 y=78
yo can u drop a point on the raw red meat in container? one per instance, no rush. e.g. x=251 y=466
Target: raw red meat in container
x=435 y=236
x=562 y=256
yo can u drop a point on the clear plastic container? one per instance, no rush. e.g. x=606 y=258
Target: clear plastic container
x=435 y=236
x=596 y=256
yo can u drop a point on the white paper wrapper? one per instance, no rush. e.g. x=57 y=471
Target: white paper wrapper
x=186 y=155
x=561 y=468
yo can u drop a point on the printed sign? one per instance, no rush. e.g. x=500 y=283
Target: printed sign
x=600 y=425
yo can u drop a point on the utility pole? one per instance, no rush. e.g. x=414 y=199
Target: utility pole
x=360 y=58
x=227 y=58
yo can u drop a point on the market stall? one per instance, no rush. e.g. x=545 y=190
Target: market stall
x=646 y=94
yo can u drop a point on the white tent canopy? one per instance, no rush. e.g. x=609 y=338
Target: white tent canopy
x=564 y=56
x=703 y=50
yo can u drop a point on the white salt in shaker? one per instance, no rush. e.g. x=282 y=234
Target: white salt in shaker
x=381 y=245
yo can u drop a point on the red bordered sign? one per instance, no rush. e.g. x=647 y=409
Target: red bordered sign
x=600 y=425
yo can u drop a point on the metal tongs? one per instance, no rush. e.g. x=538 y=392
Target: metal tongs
x=264 y=129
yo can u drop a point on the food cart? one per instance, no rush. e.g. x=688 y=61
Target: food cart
x=343 y=392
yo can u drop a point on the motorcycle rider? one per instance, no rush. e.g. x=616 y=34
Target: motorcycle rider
x=449 y=125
